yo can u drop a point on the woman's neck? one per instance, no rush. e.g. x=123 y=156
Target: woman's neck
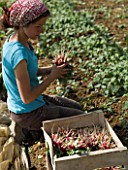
x=20 y=36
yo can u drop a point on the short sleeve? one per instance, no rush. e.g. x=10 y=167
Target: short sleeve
x=18 y=56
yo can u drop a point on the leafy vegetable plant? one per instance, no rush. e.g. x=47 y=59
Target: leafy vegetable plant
x=102 y=62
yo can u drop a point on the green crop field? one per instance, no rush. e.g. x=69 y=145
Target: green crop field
x=100 y=64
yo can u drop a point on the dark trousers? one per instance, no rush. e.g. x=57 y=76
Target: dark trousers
x=55 y=107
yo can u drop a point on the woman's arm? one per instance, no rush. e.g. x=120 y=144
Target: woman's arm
x=27 y=93
x=42 y=71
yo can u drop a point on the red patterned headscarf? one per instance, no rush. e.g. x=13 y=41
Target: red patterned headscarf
x=22 y=12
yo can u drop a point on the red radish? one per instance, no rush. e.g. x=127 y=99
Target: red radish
x=81 y=140
x=62 y=59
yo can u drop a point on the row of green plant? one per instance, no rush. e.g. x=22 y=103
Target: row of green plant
x=97 y=54
x=100 y=59
x=102 y=62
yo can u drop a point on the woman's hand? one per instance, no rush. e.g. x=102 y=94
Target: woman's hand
x=59 y=71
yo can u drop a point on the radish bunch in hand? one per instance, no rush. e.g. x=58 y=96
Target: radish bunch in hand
x=62 y=59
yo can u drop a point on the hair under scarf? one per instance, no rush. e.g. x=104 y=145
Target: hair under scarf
x=22 y=12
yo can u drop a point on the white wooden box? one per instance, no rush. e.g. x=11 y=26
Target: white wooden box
x=92 y=160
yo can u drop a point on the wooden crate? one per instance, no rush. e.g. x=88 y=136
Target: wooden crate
x=92 y=160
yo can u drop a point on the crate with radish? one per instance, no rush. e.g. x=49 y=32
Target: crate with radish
x=83 y=142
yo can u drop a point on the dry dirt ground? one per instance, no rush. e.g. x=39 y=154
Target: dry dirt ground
x=114 y=17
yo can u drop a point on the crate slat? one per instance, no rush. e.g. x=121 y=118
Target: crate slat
x=112 y=133
x=78 y=121
x=92 y=160
x=96 y=159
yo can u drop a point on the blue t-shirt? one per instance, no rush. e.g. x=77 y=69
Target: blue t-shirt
x=12 y=54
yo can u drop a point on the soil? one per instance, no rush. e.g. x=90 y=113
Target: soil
x=113 y=19
x=118 y=27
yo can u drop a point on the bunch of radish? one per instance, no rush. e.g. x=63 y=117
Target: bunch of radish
x=81 y=140
x=62 y=58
